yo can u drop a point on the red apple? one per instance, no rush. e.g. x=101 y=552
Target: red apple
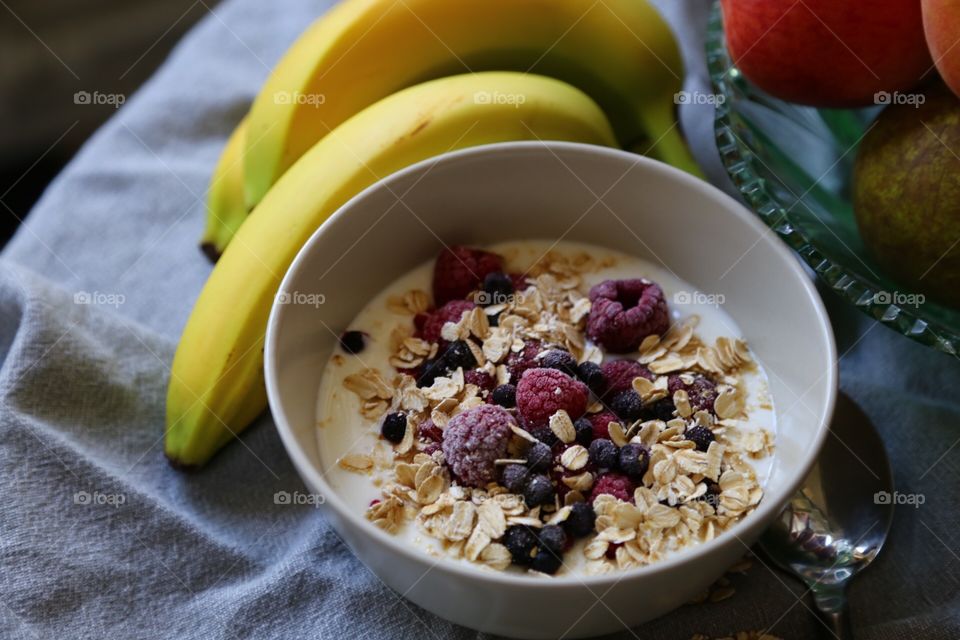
x=828 y=53
x=941 y=21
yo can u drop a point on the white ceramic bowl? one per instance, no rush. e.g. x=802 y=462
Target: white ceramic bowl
x=552 y=190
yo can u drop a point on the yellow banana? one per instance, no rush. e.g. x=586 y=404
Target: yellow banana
x=226 y=207
x=620 y=52
x=216 y=385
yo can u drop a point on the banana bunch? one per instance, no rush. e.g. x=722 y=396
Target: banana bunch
x=216 y=382
x=368 y=89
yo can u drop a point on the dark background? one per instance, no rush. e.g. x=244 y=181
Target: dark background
x=52 y=49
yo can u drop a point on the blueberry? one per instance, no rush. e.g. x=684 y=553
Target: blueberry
x=394 y=426
x=498 y=288
x=603 y=453
x=584 y=429
x=627 y=405
x=539 y=457
x=514 y=477
x=559 y=359
x=582 y=519
x=712 y=496
x=539 y=490
x=660 y=410
x=544 y=434
x=634 y=459
x=592 y=376
x=430 y=370
x=494 y=320
x=546 y=562
x=352 y=342
x=459 y=354
x=553 y=538
x=506 y=395
x=701 y=436
x=520 y=542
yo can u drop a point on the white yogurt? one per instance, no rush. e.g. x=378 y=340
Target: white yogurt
x=342 y=430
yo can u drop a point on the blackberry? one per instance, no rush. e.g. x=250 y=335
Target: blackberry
x=700 y=436
x=584 y=429
x=394 y=426
x=539 y=490
x=539 y=457
x=634 y=460
x=581 y=521
x=458 y=354
x=430 y=370
x=546 y=562
x=553 y=539
x=498 y=288
x=352 y=342
x=603 y=453
x=627 y=405
x=592 y=376
x=514 y=477
x=520 y=542
x=505 y=395
x=561 y=360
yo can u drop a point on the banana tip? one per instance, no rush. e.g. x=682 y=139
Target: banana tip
x=211 y=251
x=179 y=465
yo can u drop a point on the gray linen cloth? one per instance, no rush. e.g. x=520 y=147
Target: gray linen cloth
x=100 y=538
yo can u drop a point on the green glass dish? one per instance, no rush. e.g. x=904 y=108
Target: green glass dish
x=793 y=166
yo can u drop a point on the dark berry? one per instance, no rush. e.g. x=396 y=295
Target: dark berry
x=458 y=354
x=539 y=490
x=627 y=405
x=591 y=375
x=603 y=453
x=494 y=320
x=584 y=429
x=430 y=370
x=505 y=395
x=539 y=456
x=712 y=496
x=394 y=426
x=662 y=409
x=520 y=542
x=546 y=562
x=561 y=360
x=553 y=538
x=543 y=434
x=582 y=519
x=498 y=288
x=353 y=342
x=634 y=459
x=514 y=477
x=700 y=436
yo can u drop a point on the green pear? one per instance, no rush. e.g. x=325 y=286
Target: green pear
x=907 y=192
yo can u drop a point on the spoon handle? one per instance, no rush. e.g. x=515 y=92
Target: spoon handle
x=832 y=607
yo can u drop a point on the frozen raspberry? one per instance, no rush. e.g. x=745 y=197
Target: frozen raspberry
x=624 y=312
x=526 y=358
x=543 y=392
x=450 y=312
x=459 y=270
x=429 y=431
x=619 y=375
x=702 y=392
x=480 y=378
x=617 y=485
x=474 y=440
x=601 y=421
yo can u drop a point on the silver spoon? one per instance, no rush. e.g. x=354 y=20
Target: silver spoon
x=835 y=525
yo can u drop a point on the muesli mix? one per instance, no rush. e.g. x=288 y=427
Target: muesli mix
x=526 y=413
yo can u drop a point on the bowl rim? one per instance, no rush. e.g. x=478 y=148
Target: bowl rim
x=769 y=506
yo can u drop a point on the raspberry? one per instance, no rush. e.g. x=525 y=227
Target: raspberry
x=429 y=431
x=619 y=375
x=526 y=358
x=459 y=270
x=450 y=312
x=702 y=392
x=480 y=378
x=543 y=392
x=617 y=485
x=474 y=440
x=600 y=422
x=624 y=312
